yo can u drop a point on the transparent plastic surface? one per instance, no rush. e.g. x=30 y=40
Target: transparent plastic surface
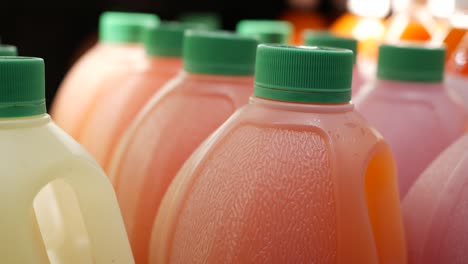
x=436 y=208
x=116 y=110
x=170 y=127
x=43 y=169
x=284 y=183
x=101 y=68
x=418 y=120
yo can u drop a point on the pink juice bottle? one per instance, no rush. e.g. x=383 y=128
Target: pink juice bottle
x=412 y=108
x=324 y=38
x=295 y=176
x=435 y=209
x=116 y=54
x=217 y=79
x=114 y=113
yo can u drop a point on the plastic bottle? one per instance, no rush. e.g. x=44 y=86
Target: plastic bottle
x=115 y=111
x=412 y=108
x=58 y=206
x=267 y=31
x=323 y=38
x=217 y=79
x=411 y=21
x=435 y=209
x=117 y=53
x=8 y=50
x=296 y=176
x=364 y=22
x=457 y=72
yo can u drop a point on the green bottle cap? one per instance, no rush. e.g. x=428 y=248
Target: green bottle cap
x=211 y=21
x=219 y=53
x=411 y=63
x=22 y=87
x=303 y=74
x=122 y=27
x=8 y=50
x=267 y=31
x=326 y=39
x=166 y=39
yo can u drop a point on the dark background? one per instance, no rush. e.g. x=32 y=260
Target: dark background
x=56 y=30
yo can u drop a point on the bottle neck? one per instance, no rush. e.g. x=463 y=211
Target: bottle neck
x=21 y=122
x=405 y=85
x=241 y=79
x=163 y=64
x=302 y=107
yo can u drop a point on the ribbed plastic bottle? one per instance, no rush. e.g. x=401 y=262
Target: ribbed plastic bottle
x=267 y=31
x=115 y=111
x=117 y=53
x=435 y=209
x=295 y=176
x=217 y=79
x=412 y=108
x=58 y=205
x=8 y=50
x=323 y=38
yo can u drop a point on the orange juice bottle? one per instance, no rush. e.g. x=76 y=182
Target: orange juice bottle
x=8 y=50
x=411 y=21
x=118 y=51
x=57 y=204
x=117 y=109
x=217 y=79
x=364 y=22
x=267 y=31
x=459 y=27
x=323 y=38
x=295 y=176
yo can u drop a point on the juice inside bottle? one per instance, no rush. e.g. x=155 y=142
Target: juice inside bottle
x=410 y=105
x=116 y=54
x=267 y=31
x=217 y=79
x=59 y=207
x=411 y=21
x=435 y=209
x=323 y=38
x=8 y=50
x=364 y=22
x=116 y=110
x=295 y=176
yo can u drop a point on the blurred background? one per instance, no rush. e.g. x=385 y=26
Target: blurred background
x=60 y=31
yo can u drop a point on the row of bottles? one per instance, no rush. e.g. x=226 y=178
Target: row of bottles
x=223 y=150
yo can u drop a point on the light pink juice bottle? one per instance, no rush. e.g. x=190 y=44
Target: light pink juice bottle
x=295 y=176
x=116 y=54
x=115 y=111
x=435 y=209
x=327 y=39
x=411 y=107
x=217 y=79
